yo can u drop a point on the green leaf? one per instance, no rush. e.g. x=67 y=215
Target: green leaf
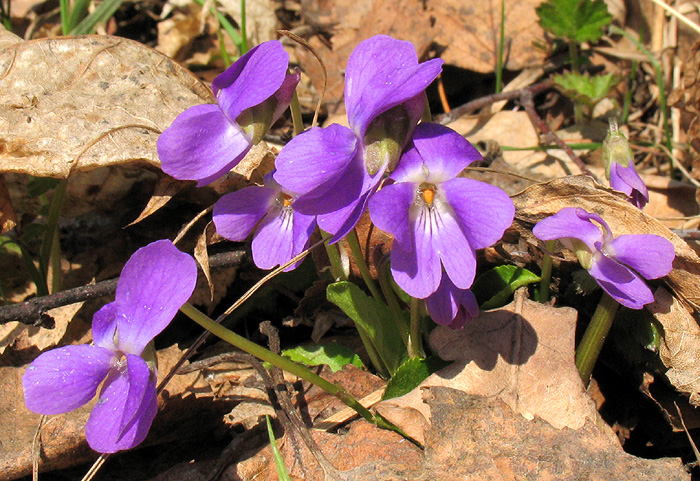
x=334 y=356
x=577 y=20
x=495 y=287
x=584 y=89
x=410 y=374
x=373 y=320
x=282 y=474
x=40 y=185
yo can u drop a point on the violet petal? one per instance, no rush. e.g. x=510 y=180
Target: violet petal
x=483 y=211
x=457 y=255
x=274 y=239
x=620 y=283
x=236 y=214
x=567 y=224
x=389 y=210
x=155 y=282
x=104 y=326
x=66 y=378
x=201 y=143
x=252 y=79
x=126 y=408
x=445 y=153
x=648 y=254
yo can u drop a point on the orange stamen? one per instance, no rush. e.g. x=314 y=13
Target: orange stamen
x=428 y=196
x=287 y=200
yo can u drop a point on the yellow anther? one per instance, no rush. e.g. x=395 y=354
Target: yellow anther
x=428 y=196
x=287 y=200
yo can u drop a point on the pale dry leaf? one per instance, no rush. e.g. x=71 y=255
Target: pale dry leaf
x=543 y=200
x=166 y=188
x=202 y=255
x=261 y=19
x=522 y=354
x=78 y=103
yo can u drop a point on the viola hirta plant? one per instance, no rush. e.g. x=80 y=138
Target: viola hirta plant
x=335 y=170
x=156 y=281
x=618 y=264
x=207 y=141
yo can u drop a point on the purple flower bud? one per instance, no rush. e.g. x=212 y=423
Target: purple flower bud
x=450 y=305
x=618 y=264
x=619 y=167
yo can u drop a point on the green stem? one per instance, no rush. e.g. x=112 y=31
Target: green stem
x=415 y=345
x=546 y=275
x=337 y=270
x=385 y=284
x=276 y=360
x=244 y=33
x=56 y=273
x=356 y=252
x=51 y=227
x=594 y=337
x=573 y=54
x=501 y=45
x=295 y=109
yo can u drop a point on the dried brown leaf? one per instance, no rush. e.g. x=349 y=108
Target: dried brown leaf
x=78 y=103
x=164 y=191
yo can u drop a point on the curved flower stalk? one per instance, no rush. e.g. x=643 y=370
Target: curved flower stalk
x=206 y=141
x=279 y=232
x=618 y=264
x=336 y=169
x=451 y=306
x=619 y=167
x=438 y=220
x=156 y=281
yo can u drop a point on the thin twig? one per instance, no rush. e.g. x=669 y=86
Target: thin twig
x=32 y=312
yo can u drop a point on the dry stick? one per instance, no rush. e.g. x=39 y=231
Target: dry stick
x=33 y=311
x=296 y=424
x=526 y=99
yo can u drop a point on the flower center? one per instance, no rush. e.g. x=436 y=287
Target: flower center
x=427 y=192
x=287 y=200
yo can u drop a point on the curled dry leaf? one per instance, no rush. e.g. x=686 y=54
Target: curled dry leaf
x=522 y=354
x=678 y=318
x=78 y=103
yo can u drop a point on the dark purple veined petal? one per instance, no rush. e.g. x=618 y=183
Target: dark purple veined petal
x=201 y=144
x=66 y=378
x=155 y=282
x=252 y=79
x=568 y=224
x=236 y=214
x=457 y=256
x=483 y=211
x=126 y=408
x=389 y=211
x=650 y=255
x=620 y=283
x=273 y=241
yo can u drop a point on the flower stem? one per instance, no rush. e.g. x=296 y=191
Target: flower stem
x=295 y=109
x=337 y=270
x=47 y=246
x=415 y=344
x=385 y=283
x=546 y=274
x=276 y=360
x=356 y=251
x=594 y=337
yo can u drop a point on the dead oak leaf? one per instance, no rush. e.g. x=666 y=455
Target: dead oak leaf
x=522 y=354
x=78 y=103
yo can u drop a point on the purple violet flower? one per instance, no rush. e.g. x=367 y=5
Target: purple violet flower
x=619 y=167
x=616 y=263
x=450 y=305
x=280 y=233
x=154 y=283
x=206 y=141
x=437 y=219
x=336 y=169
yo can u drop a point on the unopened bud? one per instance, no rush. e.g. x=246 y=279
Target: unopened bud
x=616 y=148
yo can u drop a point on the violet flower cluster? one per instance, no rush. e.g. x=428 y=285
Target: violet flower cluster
x=619 y=264
x=156 y=281
x=330 y=176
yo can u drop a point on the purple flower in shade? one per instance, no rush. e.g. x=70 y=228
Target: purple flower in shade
x=619 y=167
x=437 y=219
x=280 y=233
x=206 y=141
x=336 y=169
x=450 y=305
x=155 y=283
x=615 y=263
